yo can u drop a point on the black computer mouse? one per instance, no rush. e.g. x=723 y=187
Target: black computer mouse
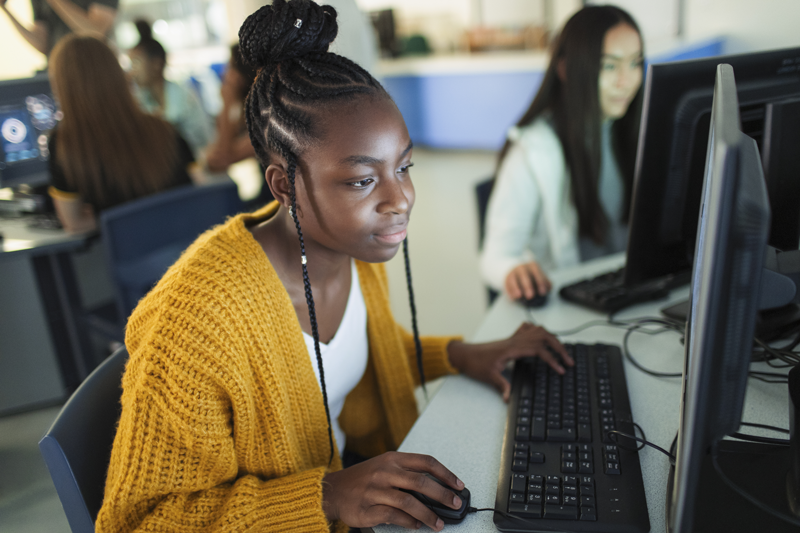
x=447 y=514
x=538 y=300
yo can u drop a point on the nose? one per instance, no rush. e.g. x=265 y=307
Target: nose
x=628 y=77
x=398 y=195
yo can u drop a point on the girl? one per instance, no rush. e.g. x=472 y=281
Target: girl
x=566 y=171
x=163 y=98
x=105 y=151
x=269 y=348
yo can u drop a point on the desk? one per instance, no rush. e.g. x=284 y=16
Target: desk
x=37 y=262
x=463 y=425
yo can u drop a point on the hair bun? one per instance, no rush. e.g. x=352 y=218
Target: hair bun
x=271 y=34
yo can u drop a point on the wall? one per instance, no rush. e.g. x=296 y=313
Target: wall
x=18 y=59
x=751 y=26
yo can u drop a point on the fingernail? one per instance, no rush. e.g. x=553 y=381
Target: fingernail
x=456 y=502
x=419 y=525
x=439 y=524
x=459 y=483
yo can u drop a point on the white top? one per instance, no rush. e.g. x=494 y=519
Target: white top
x=344 y=358
x=530 y=216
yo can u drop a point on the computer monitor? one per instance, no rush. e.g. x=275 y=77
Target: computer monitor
x=672 y=149
x=28 y=113
x=731 y=241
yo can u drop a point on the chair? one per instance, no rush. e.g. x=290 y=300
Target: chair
x=483 y=191
x=77 y=447
x=143 y=238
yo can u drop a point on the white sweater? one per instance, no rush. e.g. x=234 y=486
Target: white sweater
x=531 y=216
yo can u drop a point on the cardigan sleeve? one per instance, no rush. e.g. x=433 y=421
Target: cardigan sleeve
x=174 y=464
x=511 y=217
x=435 y=360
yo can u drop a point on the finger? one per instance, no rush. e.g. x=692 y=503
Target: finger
x=501 y=384
x=431 y=488
x=556 y=345
x=425 y=463
x=547 y=356
x=408 y=504
x=385 y=514
x=542 y=283
x=511 y=286
x=525 y=282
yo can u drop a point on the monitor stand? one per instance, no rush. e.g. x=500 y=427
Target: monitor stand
x=773 y=324
x=760 y=470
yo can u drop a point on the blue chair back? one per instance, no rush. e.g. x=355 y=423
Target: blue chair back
x=77 y=447
x=143 y=238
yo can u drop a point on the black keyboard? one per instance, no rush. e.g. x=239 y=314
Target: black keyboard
x=560 y=470
x=609 y=292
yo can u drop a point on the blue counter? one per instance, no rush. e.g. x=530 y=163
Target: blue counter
x=469 y=102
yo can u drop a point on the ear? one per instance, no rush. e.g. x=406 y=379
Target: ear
x=277 y=179
x=561 y=70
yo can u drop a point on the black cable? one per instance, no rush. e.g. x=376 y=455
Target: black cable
x=759 y=439
x=644 y=442
x=764 y=376
x=629 y=357
x=537 y=523
x=764 y=507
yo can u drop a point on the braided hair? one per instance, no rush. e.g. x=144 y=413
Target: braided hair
x=287 y=42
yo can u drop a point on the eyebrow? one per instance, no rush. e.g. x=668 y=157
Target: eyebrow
x=356 y=160
x=612 y=56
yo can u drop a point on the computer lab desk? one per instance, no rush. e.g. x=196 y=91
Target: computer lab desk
x=38 y=298
x=464 y=423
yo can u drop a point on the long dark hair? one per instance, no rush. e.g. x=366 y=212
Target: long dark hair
x=104 y=135
x=575 y=109
x=297 y=77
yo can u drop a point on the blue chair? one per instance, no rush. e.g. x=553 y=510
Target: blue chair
x=77 y=447
x=143 y=238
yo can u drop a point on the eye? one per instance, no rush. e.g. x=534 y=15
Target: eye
x=404 y=168
x=609 y=66
x=362 y=184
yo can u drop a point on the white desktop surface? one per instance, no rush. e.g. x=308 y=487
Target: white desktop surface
x=19 y=236
x=464 y=423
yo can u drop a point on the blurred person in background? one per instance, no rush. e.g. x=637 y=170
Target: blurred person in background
x=105 y=151
x=565 y=173
x=53 y=19
x=163 y=98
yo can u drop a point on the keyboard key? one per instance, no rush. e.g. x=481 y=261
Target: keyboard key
x=587 y=500
x=570 y=480
x=569 y=467
x=553 y=490
x=523 y=433
x=561 y=435
x=537 y=458
x=536 y=478
x=535 y=488
x=518 y=483
x=519 y=466
x=586 y=467
x=612 y=469
x=525 y=511
x=570 y=490
x=560 y=512
x=588 y=513
x=552 y=498
x=538 y=428
x=535 y=499
x=570 y=500
x=516 y=497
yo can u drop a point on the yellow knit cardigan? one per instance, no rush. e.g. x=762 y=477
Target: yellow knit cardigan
x=223 y=426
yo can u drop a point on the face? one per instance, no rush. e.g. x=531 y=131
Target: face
x=620 y=70
x=143 y=70
x=354 y=188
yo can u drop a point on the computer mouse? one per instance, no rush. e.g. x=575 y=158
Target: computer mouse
x=538 y=300
x=447 y=514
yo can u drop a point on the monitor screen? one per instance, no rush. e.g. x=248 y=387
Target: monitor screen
x=672 y=151
x=731 y=240
x=28 y=113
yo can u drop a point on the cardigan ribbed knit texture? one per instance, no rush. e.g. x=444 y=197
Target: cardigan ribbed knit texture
x=223 y=425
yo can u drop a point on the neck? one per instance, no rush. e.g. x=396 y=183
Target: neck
x=278 y=237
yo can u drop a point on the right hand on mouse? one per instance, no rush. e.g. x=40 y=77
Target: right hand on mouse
x=519 y=282
x=367 y=494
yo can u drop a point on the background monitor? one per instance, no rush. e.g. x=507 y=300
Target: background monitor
x=730 y=248
x=28 y=113
x=672 y=152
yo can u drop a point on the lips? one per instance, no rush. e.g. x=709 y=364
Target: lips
x=392 y=238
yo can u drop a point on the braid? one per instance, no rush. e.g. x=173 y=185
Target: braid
x=312 y=315
x=417 y=343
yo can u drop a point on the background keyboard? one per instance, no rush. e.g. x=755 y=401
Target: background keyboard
x=560 y=470
x=609 y=293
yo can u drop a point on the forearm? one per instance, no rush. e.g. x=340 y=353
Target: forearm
x=97 y=20
x=37 y=37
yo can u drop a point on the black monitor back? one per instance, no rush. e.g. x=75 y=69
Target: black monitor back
x=672 y=148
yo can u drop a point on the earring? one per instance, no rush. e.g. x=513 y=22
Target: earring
x=290 y=212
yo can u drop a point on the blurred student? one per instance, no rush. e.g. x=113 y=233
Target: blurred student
x=105 y=151
x=166 y=99
x=232 y=143
x=565 y=174
x=53 y=19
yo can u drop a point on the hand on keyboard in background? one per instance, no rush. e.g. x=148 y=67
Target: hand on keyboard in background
x=486 y=362
x=368 y=494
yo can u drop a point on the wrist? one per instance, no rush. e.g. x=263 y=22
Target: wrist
x=328 y=496
x=456 y=353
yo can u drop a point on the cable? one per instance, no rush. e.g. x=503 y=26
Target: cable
x=629 y=357
x=764 y=426
x=763 y=376
x=644 y=442
x=764 y=507
x=537 y=523
x=762 y=440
